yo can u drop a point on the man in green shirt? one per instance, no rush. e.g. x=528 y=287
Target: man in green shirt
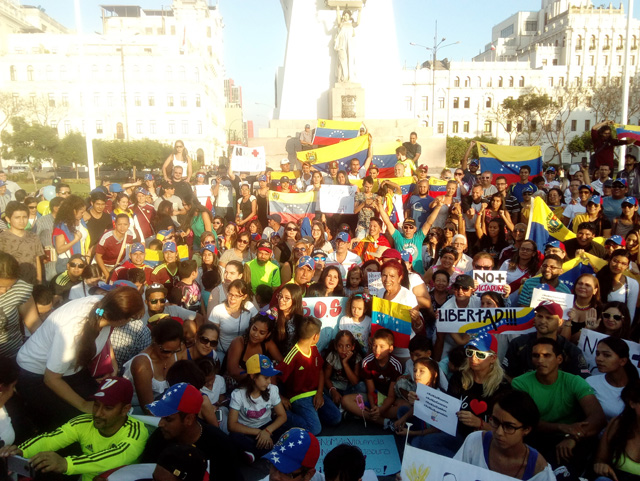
x=108 y=437
x=263 y=269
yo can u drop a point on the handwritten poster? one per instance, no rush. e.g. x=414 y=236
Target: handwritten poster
x=337 y=199
x=490 y=280
x=248 y=159
x=437 y=409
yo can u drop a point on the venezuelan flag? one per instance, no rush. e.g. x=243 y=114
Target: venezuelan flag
x=329 y=132
x=628 y=132
x=292 y=207
x=392 y=316
x=544 y=224
x=384 y=157
x=153 y=258
x=278 y=175
x=342 y=153
x=506 y=160
x=406 y=184
x=437 y=187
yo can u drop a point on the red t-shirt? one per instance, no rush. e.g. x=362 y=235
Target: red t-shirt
x=120 y=273
x=300 y=373
x=161 y=275
x=109 y=247
x=145 y=215
x=382 y=377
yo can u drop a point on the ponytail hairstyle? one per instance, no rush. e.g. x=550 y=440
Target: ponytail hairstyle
x=117 y=306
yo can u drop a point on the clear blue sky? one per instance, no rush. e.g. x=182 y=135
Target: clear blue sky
x=255 y=35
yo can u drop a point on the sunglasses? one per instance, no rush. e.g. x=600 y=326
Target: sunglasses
x=480 y=355
x=408 y=226
x=33 y=207
x=482 y=268
x=616 y=317
x=76 y=266
x=320 y=259
x=243 y=241
x=205 y=340
x=460 y=288
x=299 y=249
x=450 y=229
x=156 y=301
x=168 y=351
x=291 y=229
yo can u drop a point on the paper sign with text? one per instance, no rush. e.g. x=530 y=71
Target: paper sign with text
x=436 y=408
x=490 y=280
x=565 y=300
x=329 y=310
x=381 y=451
x=375 y=284
x=588 y=342
x=479 y=320
x=337 y=199
x=248 y=159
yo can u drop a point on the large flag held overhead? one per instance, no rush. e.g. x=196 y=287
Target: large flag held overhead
x=406 y=184
x=628 y=132
x=292 y=207
x=392 y=316
x=329 y=132
x=384 y=157
x=543 y=225
x=437 y=187
x=506 y=160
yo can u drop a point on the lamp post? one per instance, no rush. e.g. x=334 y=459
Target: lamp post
x=437 y=45
x=625 y=83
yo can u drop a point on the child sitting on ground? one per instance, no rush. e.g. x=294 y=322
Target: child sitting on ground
x=425 y=371
x=419 y=347
x=187 y=273
x=357 y=319
x=342 y=367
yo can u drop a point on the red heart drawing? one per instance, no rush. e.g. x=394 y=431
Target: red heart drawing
x=478 y=407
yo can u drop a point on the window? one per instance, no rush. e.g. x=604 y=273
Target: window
x=183 y=100
x=208 y=32
x=98 y=126
x=590 y=81
x=467 y=82
x=119 y=131
x=169 y=100
x=138 y=126
x=550 y=81
x=479 y=82
x=592 y=42
x=172 y=127
x=199 y=125
x=65 y=99
x=533 y=125
x=454 y=127
x=519 y=126
x=561 y=100
x=63 y=72
x=32 y=98
x=620 y=43
x=198 y=101
x=185 y=126
x=467 y=102
x=456 y=102
x=456 y=82
x=607 y=45
x=52 y=100
x=588 y=101
x=545 y=62
x=521 y=82
x=578 y=59
x=605 y=60
x=510 y=81
x=425 y=103
x=196 y=75
x=500 y=82
x=579 y=42
x=441 y=127
x=587 y=125
x=30 y=73
x=16 y=98
x=440 y=102
x=616 y=81
x=12 y=73
x=634 y=43
x=592 y=60
x=148 y=31
x=182 y=73
x=619 y=59
x=137 y=100
x=487 y=127
x=633 y=60
x=49 y=72
x=603 y=81
x=490 y=82
x=67 y=126
x=152 y=100
x=530 y=26
x=547 y=126
x=152 y=127
x=558 y=125
x=96 y=100
x=509 y=126
x=505 y=32
x=488 y=102
x=465 y=126
x=53 y=124
x=576 y=81
x=554 y=61
x=109 y=99
x=574 y=125
x=407 y=104
x=561 y=81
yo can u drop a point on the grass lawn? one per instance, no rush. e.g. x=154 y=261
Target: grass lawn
x=78 y=187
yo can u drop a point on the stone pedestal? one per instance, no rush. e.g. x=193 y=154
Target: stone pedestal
x=344 y=4
x=346 y=101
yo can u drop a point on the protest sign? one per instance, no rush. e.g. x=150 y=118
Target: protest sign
x=588 y=342
x=203 y=192
x=420 y=465
x=337 y=199
x=490 y=280
x=479 y=320
x=381 y=451
x=329 y=310
x=565 y=300
x=375 y=284
x=248 y=159
x=437 y=409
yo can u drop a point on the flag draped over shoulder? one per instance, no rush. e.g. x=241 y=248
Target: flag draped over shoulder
x=544 y=224
x=329 y=132
x=393 y=316
x=506 y=160
x=628 y=132
x=292 y=207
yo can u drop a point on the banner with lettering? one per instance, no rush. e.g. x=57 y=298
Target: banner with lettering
x=248 y=159
x=480 y=320
x=490 y=281
x=588 y=343
x=329 y=310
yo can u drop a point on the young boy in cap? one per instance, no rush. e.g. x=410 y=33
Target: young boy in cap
x=167 y=272
x=108 y=437
x=136 y=260
x=294 y=456
x=342 y=256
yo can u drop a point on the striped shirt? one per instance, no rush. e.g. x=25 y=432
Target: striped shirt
x=11 y=337
x=99 y=453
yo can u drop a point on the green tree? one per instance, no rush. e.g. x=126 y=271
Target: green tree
x=606 y=102
x=135 y=154
x=581 y=143
x=29 y=143
x=10 y=107
x=457 y=147
x=72 y=150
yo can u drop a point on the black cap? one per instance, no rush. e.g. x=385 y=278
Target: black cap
x=465 y=281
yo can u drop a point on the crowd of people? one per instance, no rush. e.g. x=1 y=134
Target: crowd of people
x=179 y=299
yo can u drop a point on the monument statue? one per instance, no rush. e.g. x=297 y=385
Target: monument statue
x=344 y=46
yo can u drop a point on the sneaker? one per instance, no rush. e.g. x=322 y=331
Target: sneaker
x=249 y=457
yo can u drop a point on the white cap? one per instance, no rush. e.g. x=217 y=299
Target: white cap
x=573 y=169
x=284 y=161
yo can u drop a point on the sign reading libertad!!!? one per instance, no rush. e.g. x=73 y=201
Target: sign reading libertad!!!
x=479 y=320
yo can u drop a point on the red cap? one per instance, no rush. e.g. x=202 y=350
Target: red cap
x=551 y=307
x=114 y=390
x=333 y=165
x=391 y=254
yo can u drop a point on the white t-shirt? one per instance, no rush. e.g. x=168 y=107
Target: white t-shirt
x=349 y=261
x=225 y=194
x=360 y=330
x=53 y=345
x=573 y=209
x=257 y=413
x=607 y=395
x=627 y=294
x=218 y=389
x=79 y=291
x=173 y=311
x=231 y=327
x=7 y=434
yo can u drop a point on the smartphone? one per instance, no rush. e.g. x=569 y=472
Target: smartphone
x=219 y=415
x=21 y=466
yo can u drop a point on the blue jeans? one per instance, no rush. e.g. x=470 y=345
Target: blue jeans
x=440 y=443
x=304 y=415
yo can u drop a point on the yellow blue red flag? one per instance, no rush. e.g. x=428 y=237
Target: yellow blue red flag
x=292 y=207
x=543 y=225
x=392 y=316
x=329 y=132
x=628 y=132
x=506 y=160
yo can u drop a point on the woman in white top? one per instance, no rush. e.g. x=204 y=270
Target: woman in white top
x=8 y=379
x=617 y=370
x=178 y=158
x=614 y=285
x=232 y=271
x=91 y=275
x=147 y=371
x=70 y=236
x=61 y=359
x=233 y=315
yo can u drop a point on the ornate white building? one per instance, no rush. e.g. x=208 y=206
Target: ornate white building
x=154 y=74
x=565 y=43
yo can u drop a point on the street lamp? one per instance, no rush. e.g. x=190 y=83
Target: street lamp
x=437 y=45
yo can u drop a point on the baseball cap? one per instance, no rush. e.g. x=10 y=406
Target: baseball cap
x=140 y=190
x=465 y=281
x=2 y=183
x=630 y=200
x=264 y=245
x=555 y=243
x=551 y=307
x=484 y=342
x=275 y=217
x=185 y=462
x=608 y=183
x=169 y=247
x=616 y=239
x=155 y=287
x=114 y=390
x=297 y=448
x=551 y=169
x=148 y=177
x=137 y=247
x=120 y=283
x=344 y=227
x=307 y=126
x=528 y=189
x=211 y=248
x=474 y=162
x=573 y=169
x=424 y=167
x=406 y=256
x=261 y=364
x=333 y=165
x=343 y=236
x=620 y=181
x=157 y=317
x=181 y=397
x=318 y=253
x=284 y=178
x=409 y=221
x=115 y=188
x=595 y=199
x=284 y=161
x=391 y=254
x=306 y=261
x=262 y=178
x=585 y=186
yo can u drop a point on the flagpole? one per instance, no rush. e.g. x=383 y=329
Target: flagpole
x=625 y=83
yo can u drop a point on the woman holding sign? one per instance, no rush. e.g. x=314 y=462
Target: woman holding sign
x=522 y=265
